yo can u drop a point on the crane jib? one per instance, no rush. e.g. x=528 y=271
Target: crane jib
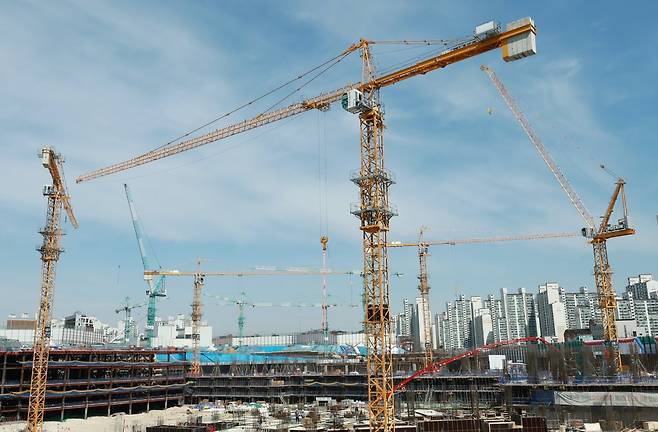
x=474 y=47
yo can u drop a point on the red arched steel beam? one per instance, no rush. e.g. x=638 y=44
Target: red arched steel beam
x=438 y=365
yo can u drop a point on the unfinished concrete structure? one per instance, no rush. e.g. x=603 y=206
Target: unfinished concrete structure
x=86 y=382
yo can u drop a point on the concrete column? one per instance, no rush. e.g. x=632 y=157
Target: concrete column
x=4 y=374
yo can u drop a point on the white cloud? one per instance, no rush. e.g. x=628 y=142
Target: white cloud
x=102 y=83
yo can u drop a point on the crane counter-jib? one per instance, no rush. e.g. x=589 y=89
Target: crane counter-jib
x=520 y=33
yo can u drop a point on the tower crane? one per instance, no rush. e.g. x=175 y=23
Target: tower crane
x=598 y=235
x=127 y=308
x=57 y=197
x=242 y=303
x=374 y=210
x=199 y=277
x=325 y=318
x=156 y=288
x=423 y=285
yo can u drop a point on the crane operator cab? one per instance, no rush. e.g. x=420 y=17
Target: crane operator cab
x=355 y=102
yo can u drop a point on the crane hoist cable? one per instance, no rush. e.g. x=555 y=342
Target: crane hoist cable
x=313 y=78
x=222 y=150
x=335 y=59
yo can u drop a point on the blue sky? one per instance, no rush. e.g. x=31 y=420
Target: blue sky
x=102 y=82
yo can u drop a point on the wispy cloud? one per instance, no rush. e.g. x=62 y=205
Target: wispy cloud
x=102 y=83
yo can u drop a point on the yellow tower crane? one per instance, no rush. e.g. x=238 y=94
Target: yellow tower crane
x=57 y=197
x=374 y=211
x=598 y=235
x=423 y=285
x=199 y=277
x=325 y=318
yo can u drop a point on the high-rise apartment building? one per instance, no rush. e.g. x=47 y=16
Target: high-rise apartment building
x=640 y=301
x=551 y=311
x=642 y=287
x=482 y=328
x=475 y=321
x=419 y=323
x=520 y=313
x=498 y=325
x=581 y=307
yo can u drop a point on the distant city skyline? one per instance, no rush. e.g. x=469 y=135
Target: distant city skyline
x=551 y=310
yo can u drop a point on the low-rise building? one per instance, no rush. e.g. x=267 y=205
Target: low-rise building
x=177 y=332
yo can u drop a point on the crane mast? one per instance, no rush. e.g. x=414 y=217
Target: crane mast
x=598 y=236
x=424 y=288
x=375 y=213
x=325 y=319
x=196 y=323
x=57 y=197
x=241 y=317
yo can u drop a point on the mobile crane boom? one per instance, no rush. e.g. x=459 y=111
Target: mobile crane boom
x=155 y=288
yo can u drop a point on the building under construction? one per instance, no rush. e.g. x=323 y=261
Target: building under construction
x=93 y=382
x=561 y=382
